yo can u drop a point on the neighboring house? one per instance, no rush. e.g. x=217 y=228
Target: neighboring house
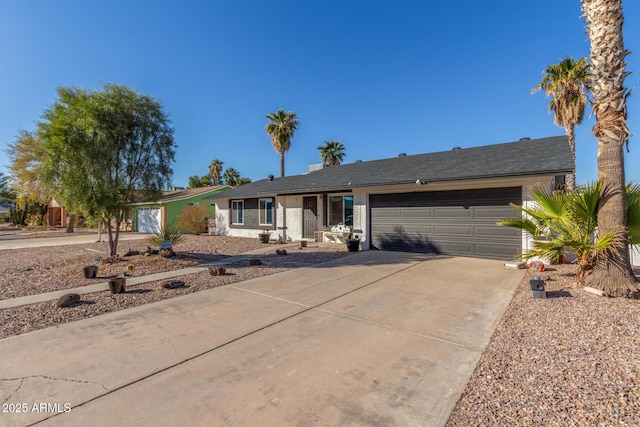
x=56 y=214
x=445 y=202
x=150 y=216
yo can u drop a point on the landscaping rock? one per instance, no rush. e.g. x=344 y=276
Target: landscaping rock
x=216 y=270
x=150 y=251
x=174 y=284
x=68 y=300
x=131 y=253
x=281 y=252
x=167 y=253
x=255 y=261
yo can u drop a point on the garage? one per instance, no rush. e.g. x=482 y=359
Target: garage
x=149 y=219
x=460 y=222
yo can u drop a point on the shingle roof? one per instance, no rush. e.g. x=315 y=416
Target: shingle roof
x=172 y=196
x=527 y=157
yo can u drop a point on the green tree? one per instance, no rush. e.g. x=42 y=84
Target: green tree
x=104 y=147
x=332 y=153
x=567 y=84
x=215 y=171
x=281 y=128
x=567 y=221
x=243 y=181
x=6 y=193
x=231 y=177
x=27 y=155
x=196 y=181
x=612 y=273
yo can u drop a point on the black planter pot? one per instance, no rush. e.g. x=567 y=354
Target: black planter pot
x=90 y=271
x=264 y=238
x=117 y=285
x=353 y=245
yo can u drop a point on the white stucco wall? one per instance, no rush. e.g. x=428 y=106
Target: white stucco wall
x=361 y=217
x=635 y=254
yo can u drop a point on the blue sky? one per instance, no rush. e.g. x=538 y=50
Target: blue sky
x=381 y=77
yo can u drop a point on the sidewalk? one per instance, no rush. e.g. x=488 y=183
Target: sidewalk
x=132 y=281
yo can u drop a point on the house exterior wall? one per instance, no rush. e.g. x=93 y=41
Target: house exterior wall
x=171 y=210
x=361 y=213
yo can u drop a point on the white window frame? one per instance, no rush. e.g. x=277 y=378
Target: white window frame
x=237 y=206
x=262 y=210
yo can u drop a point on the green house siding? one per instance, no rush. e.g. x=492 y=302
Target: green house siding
x=171 y=209
x=174 y=208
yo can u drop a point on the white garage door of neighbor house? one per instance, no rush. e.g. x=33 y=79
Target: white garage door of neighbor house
x=149 y=220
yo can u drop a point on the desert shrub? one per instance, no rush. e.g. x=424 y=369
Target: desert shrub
x=169 y=233
x=193 y=219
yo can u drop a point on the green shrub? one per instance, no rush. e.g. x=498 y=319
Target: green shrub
x=169 y=233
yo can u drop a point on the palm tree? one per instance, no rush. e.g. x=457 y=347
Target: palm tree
x=612 y=273
x=231 y=177
x=567 y=84
x=562 y=222
x=281 y=128
x=332 y=153
x=215 y=171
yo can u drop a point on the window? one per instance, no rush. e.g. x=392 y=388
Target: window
x=265 y=206
x=237 y=212
x=341 y=210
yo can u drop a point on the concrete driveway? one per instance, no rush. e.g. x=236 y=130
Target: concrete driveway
x=378 y=338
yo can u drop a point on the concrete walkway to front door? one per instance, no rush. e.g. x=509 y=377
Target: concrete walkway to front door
x=378 y=338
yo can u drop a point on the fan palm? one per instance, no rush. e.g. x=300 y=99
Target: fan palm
x=215 y=171
x=561 y=222
x=332 y=153
x=281 y=128
x=231 y=177
x=567 y=84
x=604 y=19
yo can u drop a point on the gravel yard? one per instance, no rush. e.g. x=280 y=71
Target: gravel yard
x=569 y=360
x=34 y=271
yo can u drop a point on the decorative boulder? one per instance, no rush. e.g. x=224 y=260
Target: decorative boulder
x=174 y=284
x=167 y=253
x=131 y=253
x=281 y=251
x=216 y=270
x=68 y=300
x=150 y=251
x=255 y=261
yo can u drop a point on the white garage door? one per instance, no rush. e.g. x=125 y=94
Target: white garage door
x=149 y=220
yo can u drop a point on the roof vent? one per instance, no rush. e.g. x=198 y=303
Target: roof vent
x=526 y=138
x=270 y=177
x=402 y=155
x=358 y=161
x=456 y=148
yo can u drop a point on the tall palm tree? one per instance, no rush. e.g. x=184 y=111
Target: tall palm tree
x=215 y=171
x=332 y=153
x=231 y=177
x=567 y=84
x=604 y=19
x=281 y=128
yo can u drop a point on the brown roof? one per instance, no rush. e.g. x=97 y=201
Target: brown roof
x=172 y=196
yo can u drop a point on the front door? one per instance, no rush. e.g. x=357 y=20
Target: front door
x=309 y=216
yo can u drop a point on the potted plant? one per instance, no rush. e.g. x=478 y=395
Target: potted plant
x=353 y=243
x=91 y=271
x=264 y=236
